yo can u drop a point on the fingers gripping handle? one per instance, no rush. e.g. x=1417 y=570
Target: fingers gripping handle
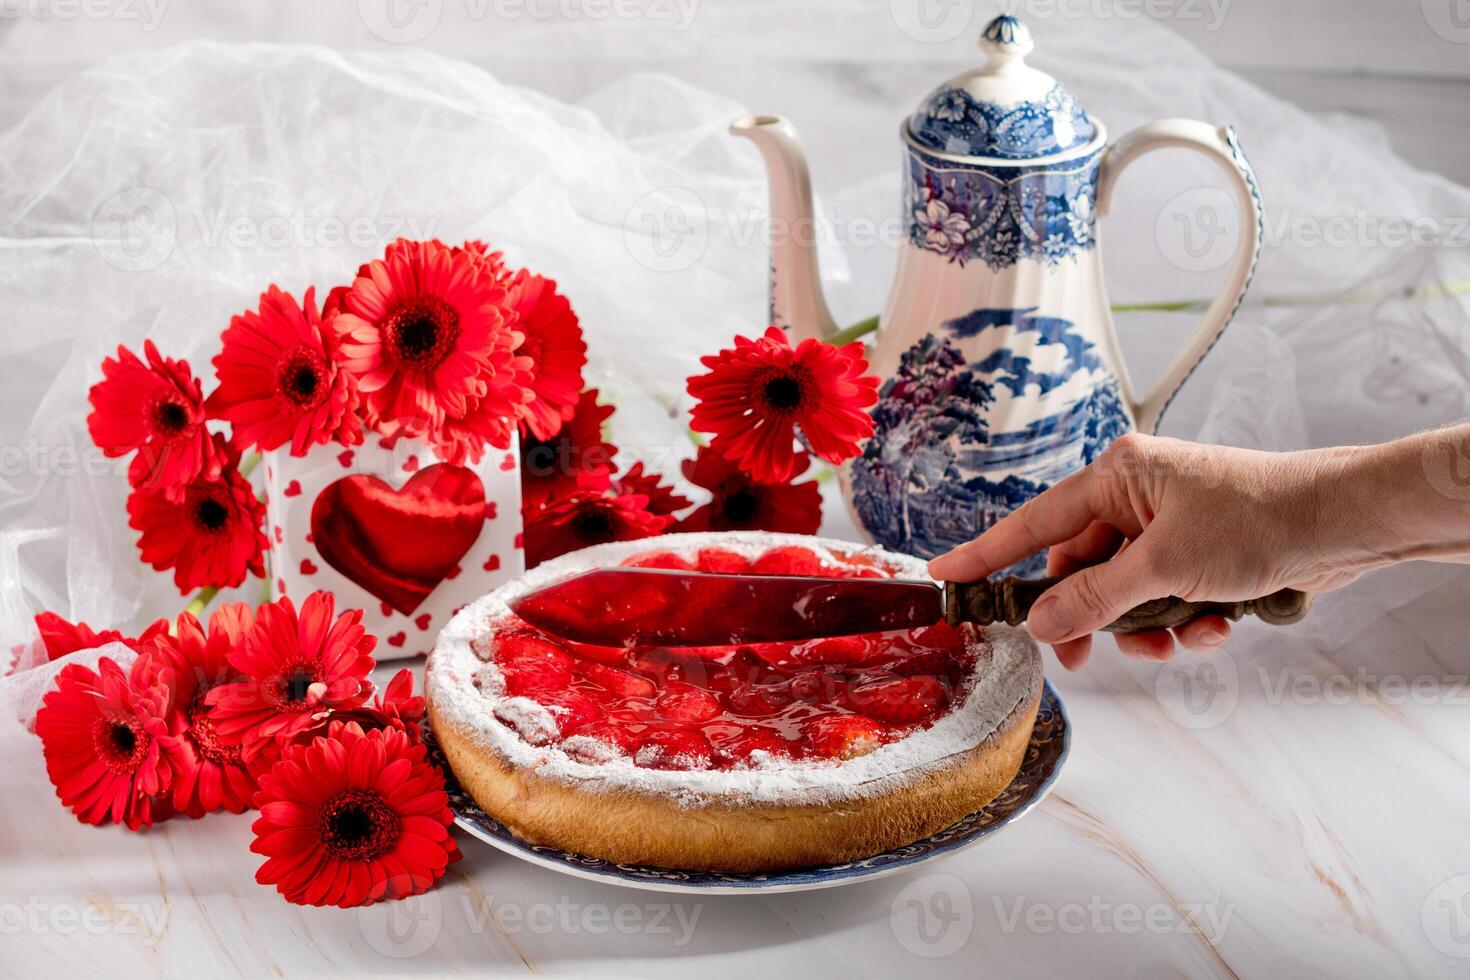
x=1220 y=145
x=1010 y=599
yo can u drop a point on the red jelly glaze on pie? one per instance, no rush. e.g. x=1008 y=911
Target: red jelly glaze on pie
x=740 y=705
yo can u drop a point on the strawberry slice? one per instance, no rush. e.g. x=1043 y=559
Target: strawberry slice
x=659 y=559
x=790 y=560
x=741 y=667
x=532 y=662
x=674 y=749
x=601 y=654
x=618 y=683
x=851 y=651
x=817 y=687
x=530 y=645
x=759 y=700
x=736 y=752
x=843 y=736
x=721 y=561
x=686 y=703
x=570 y=709
x=666 y=664
x=899 y=700
x=528 y=676
x=605 y=731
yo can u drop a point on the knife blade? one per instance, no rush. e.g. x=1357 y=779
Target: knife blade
x=622 y=606
x=631 y=606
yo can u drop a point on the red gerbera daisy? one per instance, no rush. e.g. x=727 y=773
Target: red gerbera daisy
x=210 y=535
x=156 y=409
x=106 y=743
x=553 y=468
x=760 y=392
x=742 y=504
x=60 y=637
x=590 y=517
x=662 y=499
x=557 y=351
x=352 y=819
x=428 y=335
x=292 y=669
x=280 y=380
x=209 y=773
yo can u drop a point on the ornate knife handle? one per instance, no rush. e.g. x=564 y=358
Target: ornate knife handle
x=1008 y=600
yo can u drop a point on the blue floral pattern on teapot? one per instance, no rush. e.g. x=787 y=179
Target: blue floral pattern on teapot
x=999 y=215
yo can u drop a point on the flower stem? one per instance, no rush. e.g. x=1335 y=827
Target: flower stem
x=848 y=334
x=1432 y=291
x=201 y=600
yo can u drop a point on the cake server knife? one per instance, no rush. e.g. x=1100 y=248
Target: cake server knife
x=621 y=606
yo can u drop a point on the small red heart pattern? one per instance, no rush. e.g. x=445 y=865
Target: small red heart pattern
x=395 y=531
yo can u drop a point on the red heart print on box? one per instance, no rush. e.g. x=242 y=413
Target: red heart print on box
x=399 y=544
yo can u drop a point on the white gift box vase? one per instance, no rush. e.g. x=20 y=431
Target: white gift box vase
x=389 y=527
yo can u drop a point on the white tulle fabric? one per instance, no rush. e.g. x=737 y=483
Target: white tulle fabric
x=247 y=165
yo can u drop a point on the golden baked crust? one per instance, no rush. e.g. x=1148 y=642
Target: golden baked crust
x=626 y=826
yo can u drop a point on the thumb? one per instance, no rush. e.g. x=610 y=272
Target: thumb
x=1087 y=600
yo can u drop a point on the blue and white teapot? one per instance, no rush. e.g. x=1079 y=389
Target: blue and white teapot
x=1002 y=368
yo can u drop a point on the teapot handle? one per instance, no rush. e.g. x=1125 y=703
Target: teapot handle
x=1220 y=145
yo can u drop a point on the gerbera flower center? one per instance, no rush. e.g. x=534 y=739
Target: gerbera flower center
x=783 y=392
x=300 y=379
x=741 y=505
x=358 y=825
x=206 y=739
x=119 y=744
x=170 y=417
x=592 y=525
x=210 y=513
x=291 y=688
x=421 y=334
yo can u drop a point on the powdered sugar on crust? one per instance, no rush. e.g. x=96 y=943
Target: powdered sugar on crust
x=468 y=691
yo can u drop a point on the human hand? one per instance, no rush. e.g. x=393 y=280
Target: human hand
x=1156 y=517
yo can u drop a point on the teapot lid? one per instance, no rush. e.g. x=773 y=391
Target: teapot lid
x=1004 y=108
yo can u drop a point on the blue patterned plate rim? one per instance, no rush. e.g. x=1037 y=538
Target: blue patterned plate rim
x=1051 y=740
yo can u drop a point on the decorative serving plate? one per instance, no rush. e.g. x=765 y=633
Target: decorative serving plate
x=1050 y=741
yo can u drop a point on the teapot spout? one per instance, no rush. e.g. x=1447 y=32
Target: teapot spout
x=796 y=301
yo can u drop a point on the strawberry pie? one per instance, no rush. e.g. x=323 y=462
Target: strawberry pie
x=742 y=757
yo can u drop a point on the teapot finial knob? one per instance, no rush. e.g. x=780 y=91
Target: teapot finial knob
x=1006 y=40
